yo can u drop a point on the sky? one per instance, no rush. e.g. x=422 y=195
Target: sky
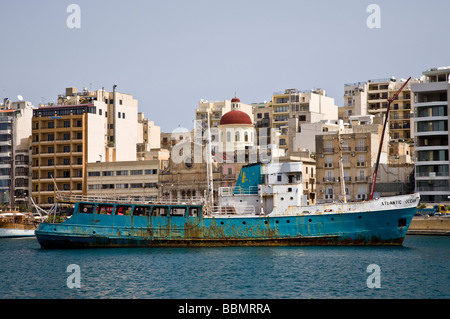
x=170 y=54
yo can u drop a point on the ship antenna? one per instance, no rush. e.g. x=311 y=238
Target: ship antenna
x=375 y=172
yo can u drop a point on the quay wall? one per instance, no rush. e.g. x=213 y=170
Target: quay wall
x=430 y=226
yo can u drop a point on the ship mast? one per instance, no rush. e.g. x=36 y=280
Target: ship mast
x=210 y=172
x=375 y=172
x=341 y=168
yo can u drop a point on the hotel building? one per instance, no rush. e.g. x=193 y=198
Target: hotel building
x=84 y=127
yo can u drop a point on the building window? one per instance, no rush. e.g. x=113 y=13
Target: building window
x=136 y=172
x=121 y=186
x=93 y=173
x=122 y=173
x=108 y=173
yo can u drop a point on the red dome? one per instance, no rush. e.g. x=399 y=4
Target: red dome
x=235 y=99
x=235 y=117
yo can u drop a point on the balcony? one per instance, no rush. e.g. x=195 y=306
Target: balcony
x=229 y=176
x=329 y=179
x=360 y=179
x=328 y=150
x=361 y=149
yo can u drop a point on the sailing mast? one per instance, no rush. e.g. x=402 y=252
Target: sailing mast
x=374 y=176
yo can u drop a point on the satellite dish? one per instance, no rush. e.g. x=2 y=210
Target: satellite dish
x=20 y=97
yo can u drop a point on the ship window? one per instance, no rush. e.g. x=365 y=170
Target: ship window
x=193 y=212
x=141 y=211
x=105 y=209
x=123 y=210
x=177 y=211
x=402 y=222
x=160 y=211
x=86 y=208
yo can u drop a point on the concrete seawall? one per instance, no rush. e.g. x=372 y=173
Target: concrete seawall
x=430 y=226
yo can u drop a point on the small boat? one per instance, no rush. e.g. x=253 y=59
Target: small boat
x=16 y=224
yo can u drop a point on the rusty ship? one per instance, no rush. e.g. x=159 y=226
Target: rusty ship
x=266 y=207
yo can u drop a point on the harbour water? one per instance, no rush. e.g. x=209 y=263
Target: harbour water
x=418 y=269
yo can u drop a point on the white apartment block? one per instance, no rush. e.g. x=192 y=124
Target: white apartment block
x=15 y=131
x=431 y=107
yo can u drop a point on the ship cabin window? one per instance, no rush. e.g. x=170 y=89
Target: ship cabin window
x=178 y=211
x=194 y=212
x=160 y=211
x=104 y=209
x=86 y=208
x=123 y=210
x=141 y=211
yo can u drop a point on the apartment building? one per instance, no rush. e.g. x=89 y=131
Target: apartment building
x=85 y=127
x=308 y=106
x=149 y=137
x=431 y=108
x=126 y=179
x=371 y=97
x=358 y=147
x=15 y=131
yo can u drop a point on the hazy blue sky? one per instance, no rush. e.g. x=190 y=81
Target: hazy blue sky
x=171 y=54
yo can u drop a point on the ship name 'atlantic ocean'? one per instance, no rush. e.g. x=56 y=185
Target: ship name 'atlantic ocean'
x=399 y=202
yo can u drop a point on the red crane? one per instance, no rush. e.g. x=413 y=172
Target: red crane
x=374 y=176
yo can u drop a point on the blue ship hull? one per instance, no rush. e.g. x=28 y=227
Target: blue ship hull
x=383 y=227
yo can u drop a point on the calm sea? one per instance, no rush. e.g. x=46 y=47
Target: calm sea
x=418 y=269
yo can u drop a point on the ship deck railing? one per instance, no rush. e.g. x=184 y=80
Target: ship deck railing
x=233 y=210
x=230 y=191
x=128 y=200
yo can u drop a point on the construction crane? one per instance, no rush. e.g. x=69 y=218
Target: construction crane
x=375 y=172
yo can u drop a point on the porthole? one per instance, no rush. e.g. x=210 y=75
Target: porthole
x=221 y=223
x=310 y=220
x=243 y=222
x=332 y=219
x=359 y=217
x=282 y=198
x=288 y=221
x=276 y=221
x=292 y=198
x=265 y=222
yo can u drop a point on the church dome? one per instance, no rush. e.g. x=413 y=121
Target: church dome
x=236 y=117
